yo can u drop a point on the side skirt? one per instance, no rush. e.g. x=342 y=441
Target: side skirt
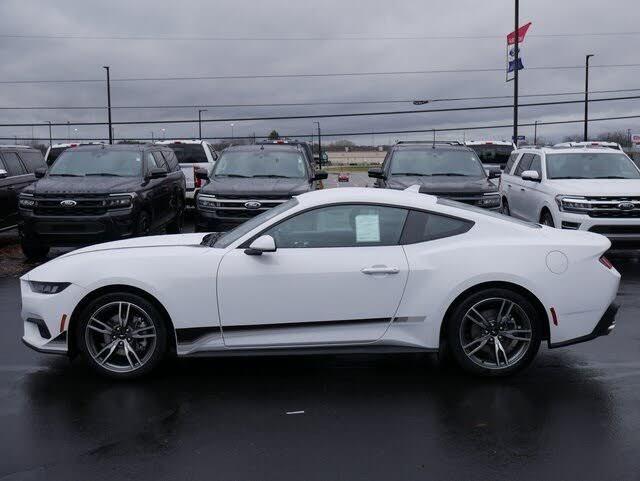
x=308 y=351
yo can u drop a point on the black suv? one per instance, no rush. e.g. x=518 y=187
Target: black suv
x=98 y=193
x=250 y=179
x=444 y=169
x=17 y=167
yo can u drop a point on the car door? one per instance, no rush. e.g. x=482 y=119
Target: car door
x=531 y=191
x=517 y=197
x=337 y=276
x=17 y=179
x=161 y=190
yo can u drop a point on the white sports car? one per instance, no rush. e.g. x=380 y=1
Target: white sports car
x=340 y=270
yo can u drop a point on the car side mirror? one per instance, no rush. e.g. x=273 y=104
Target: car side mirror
x=531 y=175
x=3 y=174
x=39 y=173
x=264 y=243
x=494 y=173
x=320 y=175
x=157 y=173
x=202 y=174
x=376 y=173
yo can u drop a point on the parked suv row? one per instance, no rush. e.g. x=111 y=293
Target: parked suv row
x=588 y=187
x=96 y=193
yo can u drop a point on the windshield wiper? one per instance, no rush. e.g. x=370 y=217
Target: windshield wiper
x=272 y=176
x=103 y=174
x=232 y=175
x=449 y=174
x=415 y=174
x=65 y=175
x=569 y=177
x=611 y=177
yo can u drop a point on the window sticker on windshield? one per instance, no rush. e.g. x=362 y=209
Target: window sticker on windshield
x=138 y=158
x=368 y=228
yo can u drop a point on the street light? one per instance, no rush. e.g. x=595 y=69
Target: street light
x=75 y=134
x=200 y=122
x=109 y=103
x=319 y=145
x=586 y=97
x=50 y=139
x=232 y=132
x=164 y=131
x=535 y=133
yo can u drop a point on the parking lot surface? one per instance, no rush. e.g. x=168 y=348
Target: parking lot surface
x=573 y=415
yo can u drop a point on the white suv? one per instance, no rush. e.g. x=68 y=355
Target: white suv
x=193 y=155
x=587 y=188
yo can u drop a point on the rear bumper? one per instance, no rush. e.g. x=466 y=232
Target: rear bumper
x=605 y=326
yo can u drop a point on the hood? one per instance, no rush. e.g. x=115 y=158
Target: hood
x=597 y=187
x=255 y=186
x=444 y=185
x=84 y=185
x=148 y=241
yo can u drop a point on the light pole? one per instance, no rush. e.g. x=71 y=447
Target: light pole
x=231 y=132
x=319 y=145
x=109 y=102
x=535 y=133
x=75 y=134
x=516 y=57
x=200 y=122
x=586 y=97
x=50 y=138
x=68 y=131
x=153 y=141
x=164 y=131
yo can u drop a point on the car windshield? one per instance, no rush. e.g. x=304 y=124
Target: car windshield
x=591 y=166
x=436 y=162
x=493 y=154
x=261 y=163
x=189 y=153
x=54 y=152
x=231 y=236
x=98 y=162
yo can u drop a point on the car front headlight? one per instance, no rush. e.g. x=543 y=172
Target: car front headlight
x=119 y=201
x=48 y=287
x=27 y=202
x=489 y=201
x=207 y=201
x=570 y=203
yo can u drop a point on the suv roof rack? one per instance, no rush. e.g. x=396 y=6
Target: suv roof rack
x=8 y=146
x=430 y=142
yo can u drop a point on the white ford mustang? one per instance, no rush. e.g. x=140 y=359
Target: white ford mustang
x=340 y=270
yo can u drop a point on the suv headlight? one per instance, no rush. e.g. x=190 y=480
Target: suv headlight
x=48 y=287
x=570 y=203
x=27 y=202
x=489 y=201
x=207 y=201
x=119 y=201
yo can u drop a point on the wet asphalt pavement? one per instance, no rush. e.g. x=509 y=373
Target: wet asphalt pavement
x=575 y=414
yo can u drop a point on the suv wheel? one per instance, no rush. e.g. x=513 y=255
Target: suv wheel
x=495 y=332
x=32 y=249
x=505 y=207
x=175 y=226
x=144 y=224
x=122 y=335
x=546 y=219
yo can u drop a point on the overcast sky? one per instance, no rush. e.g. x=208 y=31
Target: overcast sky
x=332 y=25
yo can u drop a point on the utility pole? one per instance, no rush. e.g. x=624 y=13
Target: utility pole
x=586 y=97
x=109 y=102
x=319 y=145
x=50 y=138
x=535 y=133
x=515 y=73
x=68 y=131
x=153 y=141
x=200 y=122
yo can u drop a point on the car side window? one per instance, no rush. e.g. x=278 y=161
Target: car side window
x=171 y=160
x=151 y=161
x=524 y=164
x=427 y=226
x=160 y=160
x=510 y=162
x=32 y=160
x=341 y=226
x=13 y=164
x=214 y=154
x=536 y=164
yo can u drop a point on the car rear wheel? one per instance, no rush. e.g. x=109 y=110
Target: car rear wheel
x=494 y=332
x=32 y=249
x=122 y=335
x=505 y=207
x=547 y=219
x=175 y=226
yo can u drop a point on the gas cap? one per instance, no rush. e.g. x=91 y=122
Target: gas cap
x=557 y=262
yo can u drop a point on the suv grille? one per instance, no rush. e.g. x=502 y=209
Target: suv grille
x=609 y=207
x=240 y=206
x=84 y=205
x=471 y=199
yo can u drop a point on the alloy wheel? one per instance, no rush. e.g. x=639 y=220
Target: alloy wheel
x=495 y=333
x=120 y=336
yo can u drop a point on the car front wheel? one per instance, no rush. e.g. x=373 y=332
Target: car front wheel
x=122 y=335
x=494 y=332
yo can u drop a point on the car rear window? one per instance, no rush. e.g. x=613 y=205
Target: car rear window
x=32 y=160
x=189 y=153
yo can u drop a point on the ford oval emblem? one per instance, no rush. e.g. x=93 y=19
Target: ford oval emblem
x=626 y=206
x=68 y=203
x=252 y=204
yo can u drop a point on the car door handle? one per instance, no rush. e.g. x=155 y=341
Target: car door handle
x=522 y=190
x=373 y=270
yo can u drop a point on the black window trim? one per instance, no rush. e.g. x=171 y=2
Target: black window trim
x=247 y=243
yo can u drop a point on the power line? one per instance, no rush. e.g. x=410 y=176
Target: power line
x=369 y=132
x=309 y=75
x=353 y=37
x=327 y=116
x=312 y=103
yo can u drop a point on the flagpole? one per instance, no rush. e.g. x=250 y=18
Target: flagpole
x=515 y=74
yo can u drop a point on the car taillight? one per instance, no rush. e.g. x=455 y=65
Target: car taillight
x=197 y=183
x=606 y=262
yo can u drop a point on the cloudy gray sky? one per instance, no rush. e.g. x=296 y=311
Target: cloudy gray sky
x=328 y=39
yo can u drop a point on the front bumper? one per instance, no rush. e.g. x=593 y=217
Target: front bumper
x=78 y=230
x=622 y=232
x=604 y=327
x=207 y=221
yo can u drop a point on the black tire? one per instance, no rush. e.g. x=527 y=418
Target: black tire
x=523 y=352
x=547 y=219
x=143 y=226
x=32 y=249
x=175 y=226
x=505 y=207
x=152 y=356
